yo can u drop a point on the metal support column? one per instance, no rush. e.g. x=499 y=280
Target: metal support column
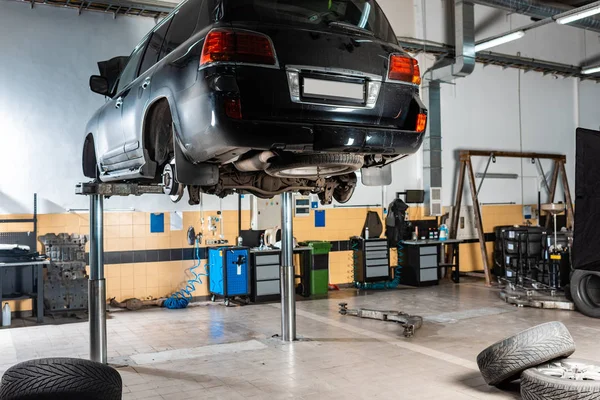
x=97 y=284
x=288 y=300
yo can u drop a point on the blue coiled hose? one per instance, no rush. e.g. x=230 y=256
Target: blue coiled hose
x=394 y=283
x=182 y=298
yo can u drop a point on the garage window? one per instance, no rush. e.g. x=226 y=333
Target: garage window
x=183 y=25
x=154 y=46
x=129 y=73
x=314 y=14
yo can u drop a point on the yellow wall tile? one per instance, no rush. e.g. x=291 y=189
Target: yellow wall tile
x=111 y=218
x=139 y=243
x=125 y=218
x=127 y=282
x=127 y=269
x=140 y=231
x=140 y=218
x=126 y=244
x=126 y=231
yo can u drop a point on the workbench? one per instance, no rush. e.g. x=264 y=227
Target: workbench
x=38 y=279
x=421 y=261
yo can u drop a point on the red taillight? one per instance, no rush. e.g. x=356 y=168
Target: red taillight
x=233 y=108
x=421 y=122
x=405 y=69
x=237 y=46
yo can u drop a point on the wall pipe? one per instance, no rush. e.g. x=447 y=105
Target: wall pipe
x=537 y=9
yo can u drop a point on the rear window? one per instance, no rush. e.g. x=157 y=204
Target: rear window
x=341 y=15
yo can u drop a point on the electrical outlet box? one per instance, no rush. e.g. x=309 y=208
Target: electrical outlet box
x=301 y=206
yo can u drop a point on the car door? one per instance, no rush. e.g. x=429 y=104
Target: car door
x=137 y=97
x=110 y=123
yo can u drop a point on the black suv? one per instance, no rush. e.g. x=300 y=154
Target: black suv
x=258 y=96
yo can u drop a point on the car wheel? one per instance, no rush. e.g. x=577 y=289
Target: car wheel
x=585 y=289
x=61 y=378
x=314 y=166
x=171 y=187
x=569 y=378
x=505 y=360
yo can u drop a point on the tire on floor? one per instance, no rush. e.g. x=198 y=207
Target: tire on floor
x=61 y=378
x=568 y=379
x=585 y=289
x=505 y=360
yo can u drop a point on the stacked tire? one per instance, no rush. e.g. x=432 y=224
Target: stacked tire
x=585 y=290
x=61 y=378
x=538 y=356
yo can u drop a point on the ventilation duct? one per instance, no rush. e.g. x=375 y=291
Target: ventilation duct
x=462 y=65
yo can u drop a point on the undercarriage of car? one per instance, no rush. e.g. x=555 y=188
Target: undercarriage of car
x=267 y=174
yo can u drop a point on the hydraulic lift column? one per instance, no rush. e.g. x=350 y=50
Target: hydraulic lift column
x=287 y=273
x=97 y=191
x=97 y=284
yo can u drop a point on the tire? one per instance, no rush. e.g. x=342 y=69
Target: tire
x=545 y=382
x=305 y=165
x=505 y=360
x=61 y=378
x=585 y=289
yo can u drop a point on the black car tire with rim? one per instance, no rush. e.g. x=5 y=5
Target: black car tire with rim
x=585 y=289
x=569 y=379
x=505 y=360
x=315 y=165
x=61 y=378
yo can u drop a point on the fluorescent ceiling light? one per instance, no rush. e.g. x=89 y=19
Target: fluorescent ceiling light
x=590 y=70
x=499 y=40
x=580 y=15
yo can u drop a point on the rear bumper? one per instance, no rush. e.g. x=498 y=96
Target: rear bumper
x=297 y=136
x=271 y=121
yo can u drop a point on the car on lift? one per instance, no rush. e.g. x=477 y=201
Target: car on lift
x=260 y=97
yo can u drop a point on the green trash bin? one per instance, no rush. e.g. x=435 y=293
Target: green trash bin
x=319 y=273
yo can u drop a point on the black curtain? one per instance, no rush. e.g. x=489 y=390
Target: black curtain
x=586 y=235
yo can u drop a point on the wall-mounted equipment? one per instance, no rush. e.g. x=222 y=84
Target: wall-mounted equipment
x=412 y=196
x=301 y=206
x=434 y=202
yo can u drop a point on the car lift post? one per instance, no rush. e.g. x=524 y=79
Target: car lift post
x=288 y=300
x=97 y=284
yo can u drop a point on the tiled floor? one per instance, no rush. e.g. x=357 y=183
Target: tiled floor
x=210 y=351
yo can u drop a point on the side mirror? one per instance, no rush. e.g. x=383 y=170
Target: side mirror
x=99 y=84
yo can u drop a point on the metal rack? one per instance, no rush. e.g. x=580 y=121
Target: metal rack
x=23 y=279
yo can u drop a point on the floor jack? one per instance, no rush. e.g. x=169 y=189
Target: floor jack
x=410 y=322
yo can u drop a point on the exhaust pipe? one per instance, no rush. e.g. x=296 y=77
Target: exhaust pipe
x=258 y=162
